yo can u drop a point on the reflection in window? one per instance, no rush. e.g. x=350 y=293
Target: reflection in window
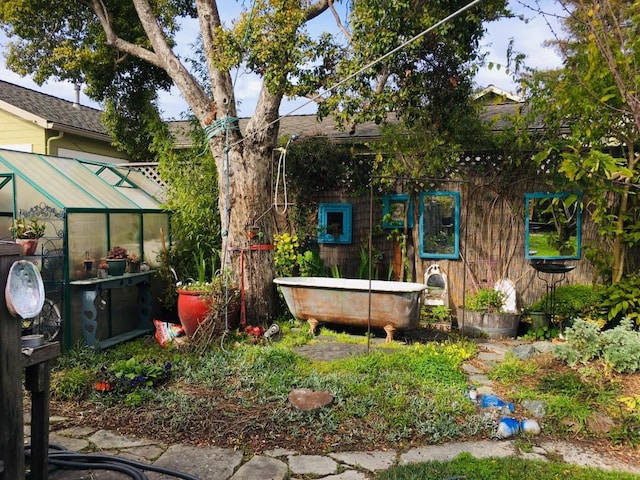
x=552 y=225
x=397 y=209
x=439 y=224
x=334 y=223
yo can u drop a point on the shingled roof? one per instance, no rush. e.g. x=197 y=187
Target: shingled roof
x=51 y=112
x=57 y=114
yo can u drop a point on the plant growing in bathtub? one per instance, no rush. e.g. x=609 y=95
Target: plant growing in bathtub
x=485 y=300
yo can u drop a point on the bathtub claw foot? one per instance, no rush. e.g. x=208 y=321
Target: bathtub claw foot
x=390 y=329
x=313 y=325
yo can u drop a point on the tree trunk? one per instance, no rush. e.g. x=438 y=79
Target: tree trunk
x=244 y=183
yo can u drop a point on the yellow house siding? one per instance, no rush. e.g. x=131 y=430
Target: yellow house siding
x=16 y=131
x=82 y=144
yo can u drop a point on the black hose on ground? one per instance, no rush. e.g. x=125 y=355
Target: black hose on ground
x=63 y=459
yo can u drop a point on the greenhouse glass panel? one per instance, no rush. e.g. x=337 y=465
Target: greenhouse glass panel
x=99 y=189
x=154 y=223
x=87 y=237
x=43 y=177
x=127 y=178
x=125 y=230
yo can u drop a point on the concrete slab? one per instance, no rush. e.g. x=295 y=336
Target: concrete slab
x=280 y=452
x=371 y=461
x=202 y=462
x=446 y=452
x=348 y=475
x=264 y=468
x=107 y=440
x=312 y=465
x=579 y=455
x=69 y=443
x=76 y=432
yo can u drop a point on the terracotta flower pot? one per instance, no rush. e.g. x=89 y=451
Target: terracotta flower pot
x=192 y=310
x=29 y=245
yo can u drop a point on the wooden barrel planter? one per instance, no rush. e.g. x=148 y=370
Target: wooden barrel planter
x=492 y=325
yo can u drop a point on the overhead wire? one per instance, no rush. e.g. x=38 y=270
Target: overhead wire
x=224 y=125
x=367 y=66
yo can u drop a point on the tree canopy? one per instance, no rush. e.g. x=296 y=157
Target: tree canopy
x=591 y=112
x=124 y=51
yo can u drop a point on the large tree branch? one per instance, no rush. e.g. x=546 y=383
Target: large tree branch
x=118 y=43
x=342 y=28
x=315 y=9
x=221 y=83
x=191 y=90
x=162 y=56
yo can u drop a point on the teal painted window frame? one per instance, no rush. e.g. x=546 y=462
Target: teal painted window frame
x=325 y=211
x=455 y=228
x=388 y=201
x=529 y=197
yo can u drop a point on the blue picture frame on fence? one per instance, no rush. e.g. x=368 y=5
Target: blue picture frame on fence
x=396 y=209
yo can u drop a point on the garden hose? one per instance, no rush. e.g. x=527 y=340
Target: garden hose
x=63 y=459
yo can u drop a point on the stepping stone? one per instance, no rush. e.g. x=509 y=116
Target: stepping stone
x=306 y=400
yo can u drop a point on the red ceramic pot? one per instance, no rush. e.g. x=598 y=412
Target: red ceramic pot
x=192 y=310
x=29 y=245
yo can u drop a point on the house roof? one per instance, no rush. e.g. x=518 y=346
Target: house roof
x=309 y=125
x=52 y=113
x=493 y=93
x=57 y=114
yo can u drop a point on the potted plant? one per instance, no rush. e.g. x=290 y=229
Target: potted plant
x=103 y=269
x=202 y=299
x=483 y=314
x=133 y=263
x=87 y=261
x=117 y=260
x=27 y=232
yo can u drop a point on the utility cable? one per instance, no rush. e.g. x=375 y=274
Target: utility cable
x=367 y=66
x=282 y=167
x=67 y=460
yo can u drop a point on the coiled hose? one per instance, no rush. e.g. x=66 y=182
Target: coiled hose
x=63 y=459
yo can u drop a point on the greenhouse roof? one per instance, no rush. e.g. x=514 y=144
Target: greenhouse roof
x=82 y=184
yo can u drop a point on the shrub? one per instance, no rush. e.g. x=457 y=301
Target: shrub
x=571 y=301
x=618 y=347
x=623 y=300
x=71 y=384
x=583 y=343
x=486 y=300
x=621 y=347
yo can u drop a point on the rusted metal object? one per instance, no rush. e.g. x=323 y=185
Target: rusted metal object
x=394 y=305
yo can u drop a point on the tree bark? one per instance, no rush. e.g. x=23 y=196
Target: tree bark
x=243 y=162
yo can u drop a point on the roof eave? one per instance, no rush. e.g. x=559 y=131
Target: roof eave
x=78 y=131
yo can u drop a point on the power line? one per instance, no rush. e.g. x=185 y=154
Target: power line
x=368 y=66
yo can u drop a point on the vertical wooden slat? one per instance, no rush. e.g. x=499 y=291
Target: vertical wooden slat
x=11 y=419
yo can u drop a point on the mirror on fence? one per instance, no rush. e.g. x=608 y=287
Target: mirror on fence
x=439 y=224
x=552 y=226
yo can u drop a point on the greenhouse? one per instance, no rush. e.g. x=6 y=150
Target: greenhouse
x=82 y=209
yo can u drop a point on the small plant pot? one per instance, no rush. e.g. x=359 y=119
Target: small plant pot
x=539 y=320
x=29 y=245
x=134 y=267
x=102 y=273
x=117 y=266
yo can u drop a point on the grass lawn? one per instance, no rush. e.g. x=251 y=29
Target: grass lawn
x=397 y=396
x=510 y=468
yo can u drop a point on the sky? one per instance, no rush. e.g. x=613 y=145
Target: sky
x=528 y=38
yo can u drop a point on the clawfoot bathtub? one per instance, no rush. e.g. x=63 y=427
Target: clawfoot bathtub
x=394 y=305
